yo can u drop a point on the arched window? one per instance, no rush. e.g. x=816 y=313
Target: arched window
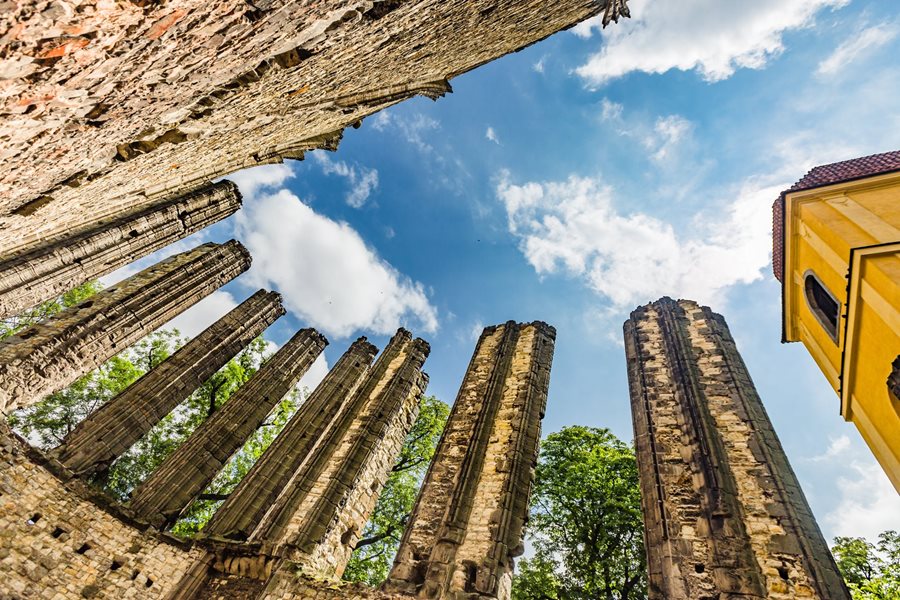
x=822 y=303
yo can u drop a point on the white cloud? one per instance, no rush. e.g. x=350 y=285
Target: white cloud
x=328 y=276
x=250 y=181
x=836 y=447
x=667 y=133
x=573 y=227
x=712 y=37
x=476 y=330
x=491 y=135
x=363 y=181
x=539 y=65
x=869 y=504
x=412 y=128
x=203 y=314
x=317 y=372
x=610 y=111
x=856 y=46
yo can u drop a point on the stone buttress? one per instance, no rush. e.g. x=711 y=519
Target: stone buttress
x=467 y=524
x=318 y=518
x=241 y=512
x=113 y=428
x=55 y=266
x=194 y=464
x=50 y=355
x=724 y=514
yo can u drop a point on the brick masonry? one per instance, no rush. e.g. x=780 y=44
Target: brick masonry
x=112 y=429
x=467 y=524
x=50 y=355
x=194 y=464
x=58 y=265
x=724 y=514
x=113 y=106
x=242 y=511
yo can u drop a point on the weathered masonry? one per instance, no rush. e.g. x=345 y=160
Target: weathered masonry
x=467 y=524
x=109 y=107
x=117 y=425
x=239 y=515
x=724 y=514
x=289 y=528
x=184 y=474
x=55 y=266
x=48 y=356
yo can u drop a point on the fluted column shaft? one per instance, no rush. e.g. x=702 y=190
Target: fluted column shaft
x=102 y=437
x=194 y=464
x=258 y=490
x=47 y=357
x=324 y=507
x=724 y=515
x=58 y=265
x=467 y=523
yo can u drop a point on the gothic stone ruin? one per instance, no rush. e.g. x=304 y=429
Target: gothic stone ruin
x=117 y=117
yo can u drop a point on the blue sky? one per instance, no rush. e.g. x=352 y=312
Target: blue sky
x=577 y=179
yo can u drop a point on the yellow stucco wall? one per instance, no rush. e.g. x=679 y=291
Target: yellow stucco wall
x=848 y=235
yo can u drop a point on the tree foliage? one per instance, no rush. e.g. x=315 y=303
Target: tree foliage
x=872 y=571
x=586 y=525
x=380 y=539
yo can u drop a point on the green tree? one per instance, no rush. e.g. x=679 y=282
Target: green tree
x=872 y=571
x=12 y=325
x=374 y=553
x=585 y=524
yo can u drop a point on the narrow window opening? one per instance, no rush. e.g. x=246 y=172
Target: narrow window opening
x=149 y=583
x=783 y=572
x=34 y=518
x=823 y=304
x=134 y=575
x=699 y=568
x=83 y=548
x=58 y=532
x=115 y=566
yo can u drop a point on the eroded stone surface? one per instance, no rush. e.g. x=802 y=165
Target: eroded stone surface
x=317 y=520
x=55 y=543
x=50 y=355
x=194 y=464
x=239 y=515
x=723 y=511
x=57 y=265
x=467 y=524
x=108 y=106
x=113 y=428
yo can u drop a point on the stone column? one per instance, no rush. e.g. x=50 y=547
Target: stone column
x=467 y=523
x=101 y=438
x=47 y=357
x=318 y=518
x=194 y=464
x=241 y=512
x=58 y=265
x=724 y=514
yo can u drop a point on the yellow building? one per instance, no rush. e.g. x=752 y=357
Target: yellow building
x=837 y=255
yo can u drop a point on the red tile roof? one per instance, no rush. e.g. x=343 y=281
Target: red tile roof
x=839 y=172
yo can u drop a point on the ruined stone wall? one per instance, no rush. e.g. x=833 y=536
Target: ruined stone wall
x=117 y=425
x=467 y=524
x=58 y=265
x=196 y=462
x=55 y=543
x=329 y=499
x=258 y=490
x=723 y=511
x=108 y=106
x=48 y=356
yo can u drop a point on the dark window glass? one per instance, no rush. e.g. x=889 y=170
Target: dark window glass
x=823 y=304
